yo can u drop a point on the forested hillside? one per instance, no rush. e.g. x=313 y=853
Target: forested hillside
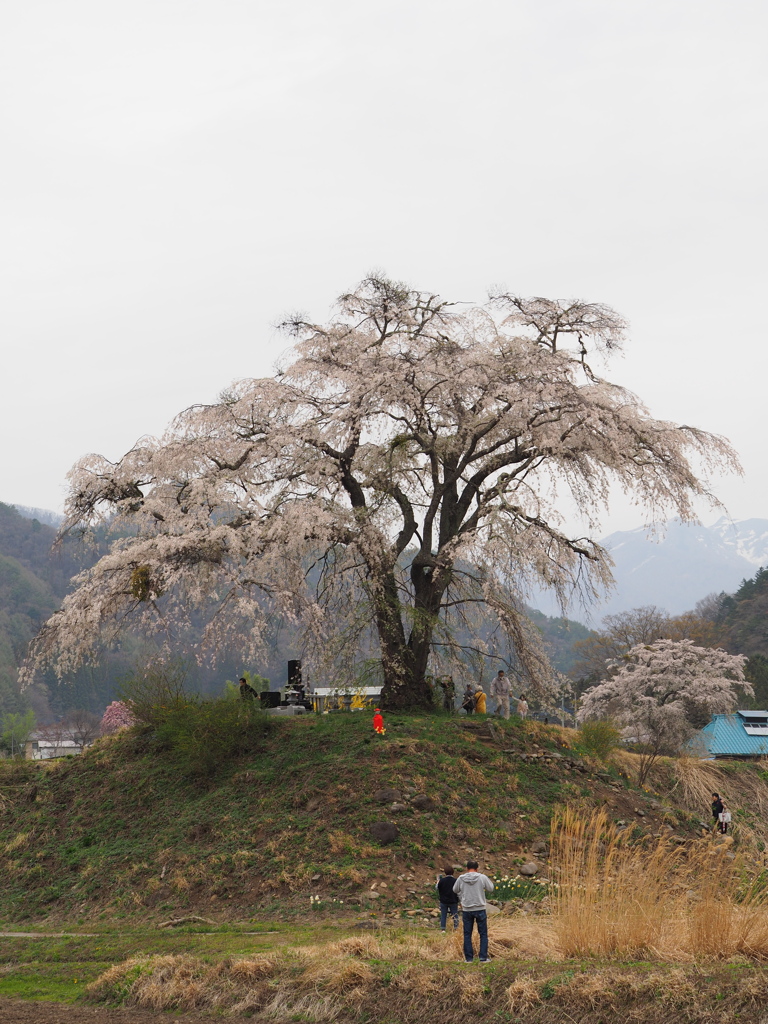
x=34 y=577
x=744 y=624
x=33 y=580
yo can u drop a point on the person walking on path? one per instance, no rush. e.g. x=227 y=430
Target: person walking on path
x=471 y=888
x=522 y=706
x=480 y=700
x=449 y=901
x=721 y=814
x=501 y=688
x=468 y=700
x=717 y=809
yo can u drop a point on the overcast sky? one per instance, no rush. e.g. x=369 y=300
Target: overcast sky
x=178 y=174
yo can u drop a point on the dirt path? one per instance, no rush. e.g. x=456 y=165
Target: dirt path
x=23 y=1011
x=48 y=935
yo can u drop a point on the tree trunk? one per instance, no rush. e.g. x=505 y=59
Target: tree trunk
x=405 y=684
x=404 y=661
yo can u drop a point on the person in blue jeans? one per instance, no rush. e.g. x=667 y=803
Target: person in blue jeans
x=471 y=888
x=449 y=901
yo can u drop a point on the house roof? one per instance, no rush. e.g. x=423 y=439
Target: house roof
x=727 y=735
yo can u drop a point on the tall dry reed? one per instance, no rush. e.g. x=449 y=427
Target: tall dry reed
x=618 y=898
x=610 y=898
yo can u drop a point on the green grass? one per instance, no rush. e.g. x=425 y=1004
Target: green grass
x=60 y=983
x=58 y=968
x=520 y=889
x=100 y=829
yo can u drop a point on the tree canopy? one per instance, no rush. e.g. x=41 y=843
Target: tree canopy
x=394 y=477
x=663 y=690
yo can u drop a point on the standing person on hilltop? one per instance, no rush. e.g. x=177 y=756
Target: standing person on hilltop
x=449 y=901
x=247 y=692
x=449 y=694
x=480 y=700
x=501 y=688
x=468 y=700
x=522 y=706
x=471 y=888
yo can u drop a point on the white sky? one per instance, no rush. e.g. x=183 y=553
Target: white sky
x=178 y=174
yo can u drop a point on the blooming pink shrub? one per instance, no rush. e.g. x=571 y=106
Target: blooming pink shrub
x=117 y=716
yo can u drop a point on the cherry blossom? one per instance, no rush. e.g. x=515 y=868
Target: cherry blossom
x=389 y=489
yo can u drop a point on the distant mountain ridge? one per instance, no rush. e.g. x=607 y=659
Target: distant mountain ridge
x=42 y=515
x=684 y=564
x=673 y=571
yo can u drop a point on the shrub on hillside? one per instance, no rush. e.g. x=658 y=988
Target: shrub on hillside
x=205 y=734
x=151 y=695
x=201 y=734
x=599 y=737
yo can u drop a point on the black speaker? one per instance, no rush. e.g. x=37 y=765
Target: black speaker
x=270 y=698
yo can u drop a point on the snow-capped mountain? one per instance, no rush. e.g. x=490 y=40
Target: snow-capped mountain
x=749 y=538
x=675 y=568
x=684 y=563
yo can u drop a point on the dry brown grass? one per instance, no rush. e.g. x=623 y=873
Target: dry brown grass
x=471 y=773
x=691 y=782
x=18 y=842
x=665 y=902
x=523 y=994
x=511 y=937
x=403 y=976
x=315 y=980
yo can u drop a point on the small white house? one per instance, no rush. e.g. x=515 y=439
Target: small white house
x=44 y=744
x=41 y=750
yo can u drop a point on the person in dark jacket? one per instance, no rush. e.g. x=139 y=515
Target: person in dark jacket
x=449 y=901
x=247 y=692
x=468 y=700
x=717 y=810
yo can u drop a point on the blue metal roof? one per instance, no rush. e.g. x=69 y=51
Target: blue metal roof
x=725 y=735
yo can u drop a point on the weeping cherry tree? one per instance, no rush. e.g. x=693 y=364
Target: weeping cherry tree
x=394 y=484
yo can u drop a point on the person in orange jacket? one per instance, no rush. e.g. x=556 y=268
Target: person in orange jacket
x=480 y=699
x=378 y=723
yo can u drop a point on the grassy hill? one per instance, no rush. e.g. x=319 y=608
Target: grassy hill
x=128 y=830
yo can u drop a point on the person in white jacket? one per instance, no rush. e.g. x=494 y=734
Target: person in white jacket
x=501 y=688
x=471 y=888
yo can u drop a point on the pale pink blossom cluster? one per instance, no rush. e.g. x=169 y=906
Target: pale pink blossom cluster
x=659 y=690
x=118 y=715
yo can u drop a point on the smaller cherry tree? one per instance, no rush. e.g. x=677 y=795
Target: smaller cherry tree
x=118 y=715
x=661 y=692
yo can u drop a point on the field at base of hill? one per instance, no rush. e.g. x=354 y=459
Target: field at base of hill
x=127 y=832
x=391 y=975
